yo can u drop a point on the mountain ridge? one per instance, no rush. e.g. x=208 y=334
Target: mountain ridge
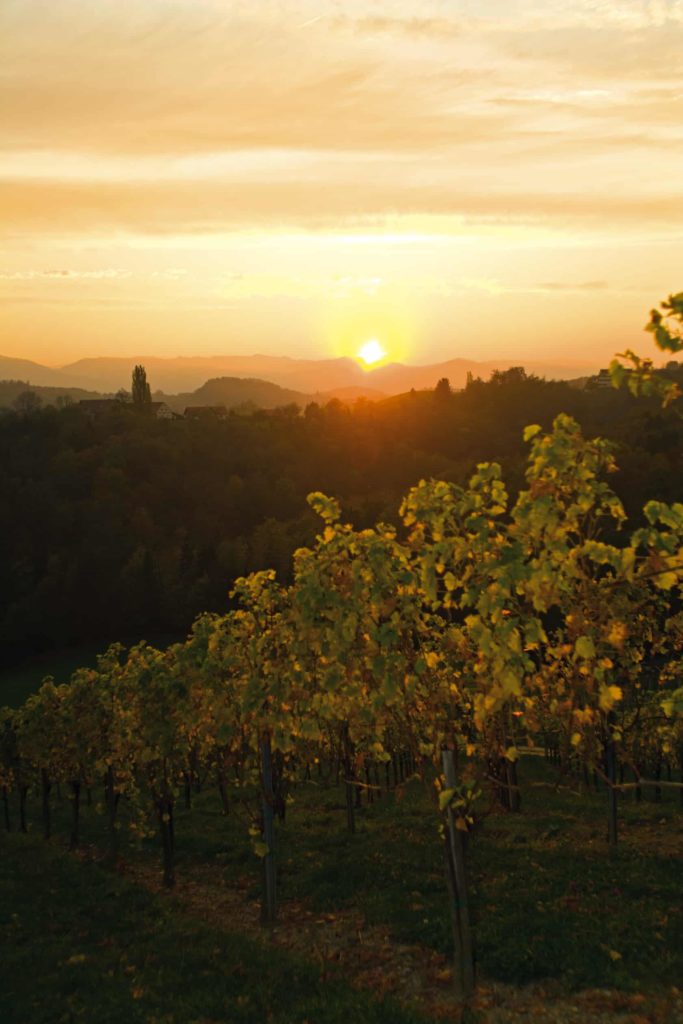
x=182 y=374
x=231 y=392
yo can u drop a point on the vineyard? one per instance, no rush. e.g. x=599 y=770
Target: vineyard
x=434 y=654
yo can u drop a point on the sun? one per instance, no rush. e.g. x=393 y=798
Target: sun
x=371 y=352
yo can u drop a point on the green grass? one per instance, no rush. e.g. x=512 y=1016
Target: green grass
x=79 y=943
x=549 y=901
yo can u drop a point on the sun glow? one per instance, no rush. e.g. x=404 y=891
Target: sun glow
x=371 y=352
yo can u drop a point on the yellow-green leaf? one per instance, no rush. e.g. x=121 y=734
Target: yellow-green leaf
x=445 y=797
x=584 y=648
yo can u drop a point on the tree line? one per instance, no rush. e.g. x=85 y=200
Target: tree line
x=119 y=525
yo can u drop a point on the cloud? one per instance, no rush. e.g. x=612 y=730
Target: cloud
x=204 y=77
x=185 y=117
x=566 y=286
x=432 y=28
x=107 y=274
x=596 y=52
x=215 y=207
x=173 y=79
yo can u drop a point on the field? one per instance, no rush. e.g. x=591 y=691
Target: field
x=561 y=927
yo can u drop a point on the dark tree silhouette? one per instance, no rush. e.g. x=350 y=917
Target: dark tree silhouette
x=140 y=390
x=115 y=525
x=27 y=402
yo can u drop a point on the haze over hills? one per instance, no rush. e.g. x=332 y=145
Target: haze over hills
x=233 y=392
x=42 y=376
x=310 y=376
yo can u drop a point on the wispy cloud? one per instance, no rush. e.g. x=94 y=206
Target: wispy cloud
x=432 y=28
x=178 y=207
x=377 y=132
x=103 y=274
x=567 y=286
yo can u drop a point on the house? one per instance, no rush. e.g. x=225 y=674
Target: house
x=161 y=411
x=599 y=380
x=603 y=379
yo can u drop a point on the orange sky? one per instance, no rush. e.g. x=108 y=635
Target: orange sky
x=501 y=178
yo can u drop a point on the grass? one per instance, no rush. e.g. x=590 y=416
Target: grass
x=79 y=943
x=549 y=901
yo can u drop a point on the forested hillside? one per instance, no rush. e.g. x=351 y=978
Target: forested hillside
x=120 y=525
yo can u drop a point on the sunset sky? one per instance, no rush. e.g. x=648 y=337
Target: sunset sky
x=489 y=179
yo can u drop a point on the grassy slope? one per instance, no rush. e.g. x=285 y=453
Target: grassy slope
x=550 y=902
x=78 y=943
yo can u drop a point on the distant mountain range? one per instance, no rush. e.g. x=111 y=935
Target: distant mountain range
x=331 y=377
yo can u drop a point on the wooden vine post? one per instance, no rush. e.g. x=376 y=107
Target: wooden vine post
x=75 y=813
x=611 y=772
x=463 y=958
x=165 y=811
x=349 y=787
x=111 y=802
x=268 y=906
x=45 y=787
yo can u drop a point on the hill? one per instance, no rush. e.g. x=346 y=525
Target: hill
x=185 y=374
x=11 y=389
x=36 y=374
x=233 y=392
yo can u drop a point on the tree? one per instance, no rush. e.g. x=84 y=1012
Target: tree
x=640 y=376
x=27 y=403
x=513 y=375
x=140 y=390
x=442 y=391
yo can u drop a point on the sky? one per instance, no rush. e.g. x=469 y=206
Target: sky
x=491 y=179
